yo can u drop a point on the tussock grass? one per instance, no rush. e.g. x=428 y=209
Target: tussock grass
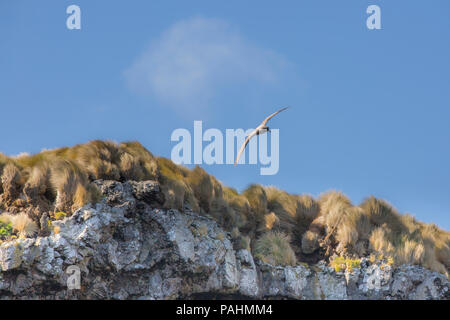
x=204 y=188
x=307 y=210
x=21 y=223
x=283 y=206
x=381 y=212
x=271 y=220
x=406 y=240
x=275 y=223
x=334 y=207
x=257 y=198
x=274 y=248
x=379 y=242
x=136 y=162
x=310 y=242
x=11 y=180
x=60 y=179
x=240 y=208
x=174 y=185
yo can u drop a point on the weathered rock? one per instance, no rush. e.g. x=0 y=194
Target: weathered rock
x=413 y=282
x=126 y=248
x=248 y=277
x=147 y=191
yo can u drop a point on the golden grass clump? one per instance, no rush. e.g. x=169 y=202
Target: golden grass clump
x=284 y=206
x=3 y=161
x=346 y=235
x=201 y=191
x=174 y=186
x=379 y=241
x=136 y=162
x=310 y=242
x=203 y=186
x=61 y=178
x=111 y=161
x=405 y=239
x=11 y=179
x=38 y=182
x=81 y=197
x=271 y=220
x=70 y=183
x=294 y=214
x=99 y=158
x=437 y=248
x=307 y=210
x=353 y=226
x=237 y=201
x=307 y=207
x=334 y=206
x=274 y=248
x=241 y=207
x=257 y=198
x=411 y=252
x=281 y=201
x=341 y=222
x=21 y=223
x=381 y=212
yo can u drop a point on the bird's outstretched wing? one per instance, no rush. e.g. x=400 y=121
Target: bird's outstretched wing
x=272 y=115
x=244 y=145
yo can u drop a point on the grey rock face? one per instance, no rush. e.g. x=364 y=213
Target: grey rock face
x=126 y=247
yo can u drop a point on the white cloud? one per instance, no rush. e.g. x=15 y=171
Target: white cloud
x=197 y=59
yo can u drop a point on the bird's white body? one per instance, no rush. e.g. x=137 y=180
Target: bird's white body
x=261 y=129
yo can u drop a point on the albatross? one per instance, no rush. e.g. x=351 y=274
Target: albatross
x=262 y=128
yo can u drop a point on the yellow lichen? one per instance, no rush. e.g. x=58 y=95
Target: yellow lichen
x=341 y=264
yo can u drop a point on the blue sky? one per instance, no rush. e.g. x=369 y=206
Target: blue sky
x=370 y=108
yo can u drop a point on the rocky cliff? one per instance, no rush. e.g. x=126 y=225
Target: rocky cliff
x=127 y=247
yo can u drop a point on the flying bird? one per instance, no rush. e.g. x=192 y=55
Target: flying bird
x=262 y=128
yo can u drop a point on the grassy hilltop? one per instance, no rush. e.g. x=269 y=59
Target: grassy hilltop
x=278 y=227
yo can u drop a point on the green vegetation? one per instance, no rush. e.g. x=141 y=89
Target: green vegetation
x=279 y=227
x=60 y=215
x=6 y=230
x=274 y=248
x=341 y=264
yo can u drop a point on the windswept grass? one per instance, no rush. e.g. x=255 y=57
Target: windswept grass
x=11 y=179
x=21 y=223
x=272 y=222
x=310 y=242
x=61 y=179
x=274 y=248
x=173 y=184
x=307 y=210
x=283 y=206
